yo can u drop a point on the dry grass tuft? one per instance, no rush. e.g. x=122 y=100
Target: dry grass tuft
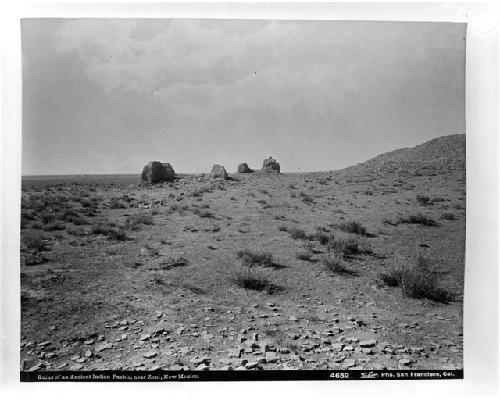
x=418 y=280
x=255 y=258
x=252 y=279
x=296 y=233
x=448 y=216
x=418 y=218
x=353 y=227
x=109 y=230
x=134 y=221
x=334 y=263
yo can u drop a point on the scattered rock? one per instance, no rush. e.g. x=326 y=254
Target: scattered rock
x=170 y=262
x=102 y=347
x=199 y=360
x=252 y=365
x=368 y=343
x=207 y=336
x=150 y=354
x=349 y=363
x=337 y=346
x=271 y=357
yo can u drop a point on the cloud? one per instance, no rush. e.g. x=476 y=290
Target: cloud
x=196 y=92
x=202 y=68
x=197 y=67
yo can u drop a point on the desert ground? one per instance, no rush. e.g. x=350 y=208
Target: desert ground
x=361 y=268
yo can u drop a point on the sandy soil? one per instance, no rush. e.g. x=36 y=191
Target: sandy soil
x=167 y=295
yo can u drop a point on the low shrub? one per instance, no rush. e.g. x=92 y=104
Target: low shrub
x=194 y=289
x=448 y=216
x=54 y=226
x=418 y=218
x=47 y=217
x=33 y=241
x=85 y=202
x=322 y=237
x=255 y=258
x=252 y=279
x=135 y=220
x=109 y=230
x=353 y=227
x=423 y=200
x=36 y=225
x=418 y=280
x=179 y=208
x=202 y=213
x=304 y=255
x=348 y=245
x=171 y=262
x=76 y=231
x=296 y=233
x=116 y=234
x=27 y=215
x=151 y=250
x=115 y=203
x=71 y=216
x=334 y=263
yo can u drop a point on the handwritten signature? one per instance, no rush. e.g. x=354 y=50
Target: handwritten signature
x=369 y=375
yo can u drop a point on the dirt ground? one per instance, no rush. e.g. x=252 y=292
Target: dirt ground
x=149 y=277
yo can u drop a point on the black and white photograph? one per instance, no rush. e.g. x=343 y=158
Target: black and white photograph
x=230 y=198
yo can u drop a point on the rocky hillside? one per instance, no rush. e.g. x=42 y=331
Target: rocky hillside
x=439 y=155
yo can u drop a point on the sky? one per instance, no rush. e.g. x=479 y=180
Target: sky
x=105 y=96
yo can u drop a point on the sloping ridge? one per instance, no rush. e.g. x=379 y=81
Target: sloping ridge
x=443 y=154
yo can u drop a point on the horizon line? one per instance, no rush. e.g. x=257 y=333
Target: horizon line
x=139 y=174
